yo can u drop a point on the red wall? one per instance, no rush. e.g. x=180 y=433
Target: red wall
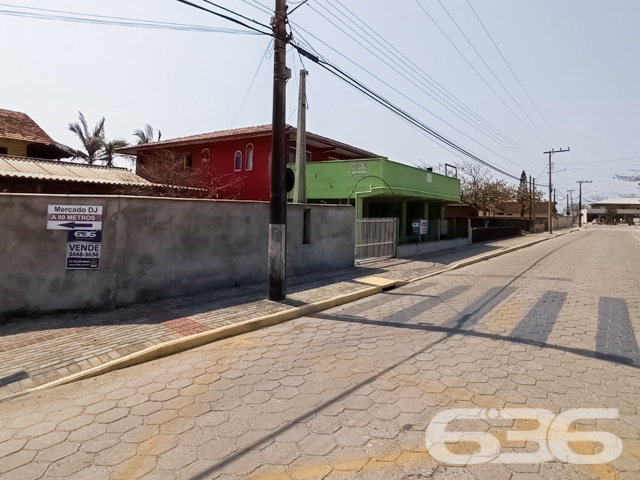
x=254 y=184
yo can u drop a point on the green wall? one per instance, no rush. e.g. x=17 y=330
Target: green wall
x=373 y=177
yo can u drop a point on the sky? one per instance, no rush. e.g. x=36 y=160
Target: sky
x=506 y=80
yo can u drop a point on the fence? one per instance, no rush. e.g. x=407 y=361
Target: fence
x=376 y=238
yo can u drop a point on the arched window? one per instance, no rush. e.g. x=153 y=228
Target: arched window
x=249 y=159
x=205 y=154
x=237 y=163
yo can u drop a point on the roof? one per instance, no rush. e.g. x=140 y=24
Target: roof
x=19 y=126
x=513 y=208
x=24 y=167
x=236 y=133
x=618 y=201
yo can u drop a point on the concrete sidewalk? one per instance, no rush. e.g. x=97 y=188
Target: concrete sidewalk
x=46 y=350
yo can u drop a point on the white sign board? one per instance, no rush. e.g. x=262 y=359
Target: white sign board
x=424 y=227
x=74 y=217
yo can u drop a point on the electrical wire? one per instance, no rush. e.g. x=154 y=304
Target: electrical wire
x=448 y=105
x=491 y=70
x=431 y=84
x=398 y=111
x=514 y=74
x=226 y=17
x=408 y=98
x=264 y=55
x=112 y=21
x=236 y=14
x=478 y=73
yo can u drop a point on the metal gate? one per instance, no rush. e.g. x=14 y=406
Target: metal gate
x=376 y=238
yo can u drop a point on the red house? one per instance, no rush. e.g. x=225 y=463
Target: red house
x=236 y=162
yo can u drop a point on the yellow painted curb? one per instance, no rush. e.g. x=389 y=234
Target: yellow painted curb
x=377 y=282
x=199 y=339
x=481 y=258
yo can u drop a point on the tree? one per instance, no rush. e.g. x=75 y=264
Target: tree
x=610 y=213
x=523 y=194
x=173 y=175
x=92 y=140
x=97 y=148
x=146 y=135
x=109 y=151
x=480 y=190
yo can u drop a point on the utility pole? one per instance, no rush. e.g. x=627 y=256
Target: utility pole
x=531 y=193
x=550 y=154
x=534 y=202
x=278 y=208
x=580 y=200
x=300 y=185
x=571 y=196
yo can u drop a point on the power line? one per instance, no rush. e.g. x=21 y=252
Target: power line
x=226 y=17
x=490 y=70
x=431 y=84
x=405 y=96
x=514 y=74
x=112 y=21
x=398 y=111
x=421 y=87
x=476 y=71
x=264 y=55
x=235 y=13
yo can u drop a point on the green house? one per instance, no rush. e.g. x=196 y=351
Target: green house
x=378 y=187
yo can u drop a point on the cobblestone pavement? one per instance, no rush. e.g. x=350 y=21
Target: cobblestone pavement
x=349 y=392
x=38 y=350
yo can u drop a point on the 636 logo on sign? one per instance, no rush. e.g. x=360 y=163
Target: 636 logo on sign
x=552 y=436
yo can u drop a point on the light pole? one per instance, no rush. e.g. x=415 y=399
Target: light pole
x=550 y=154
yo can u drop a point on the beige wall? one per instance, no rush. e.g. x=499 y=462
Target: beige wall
x=154 y=248
x=14 y=147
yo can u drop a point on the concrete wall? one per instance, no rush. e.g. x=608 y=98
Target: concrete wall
x=411 y=249
x=156 y=248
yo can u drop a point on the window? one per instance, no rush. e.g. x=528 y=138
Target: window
x=306 y=226
x=188 y=162
x=237 y=164
x=3 y=150
x=249 y=159
x=205 y=154
x=292 y=155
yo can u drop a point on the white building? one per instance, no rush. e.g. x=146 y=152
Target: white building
x=626 y=207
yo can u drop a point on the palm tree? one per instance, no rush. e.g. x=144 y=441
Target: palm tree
x=92 y=140
x=109 y=153
x=146 y=135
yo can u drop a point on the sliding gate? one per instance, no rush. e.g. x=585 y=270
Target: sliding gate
x=376 y=238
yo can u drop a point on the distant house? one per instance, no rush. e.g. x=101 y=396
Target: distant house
x=512 y=209
x=238 y=159
x=20 y=136
x=30 y=162
x=626 y=208
x=336 y=173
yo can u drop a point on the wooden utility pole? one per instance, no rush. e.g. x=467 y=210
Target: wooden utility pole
x=531 y=192
x=278 y=207
x=550 y=154
x=300 y=185
x=571 y=197
x=580 y=200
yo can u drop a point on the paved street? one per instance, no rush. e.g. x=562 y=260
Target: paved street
x=40 y=349
x=349 y=392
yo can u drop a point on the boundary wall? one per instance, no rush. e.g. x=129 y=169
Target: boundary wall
x=155 y=248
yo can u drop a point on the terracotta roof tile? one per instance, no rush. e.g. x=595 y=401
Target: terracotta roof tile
x=19 y=126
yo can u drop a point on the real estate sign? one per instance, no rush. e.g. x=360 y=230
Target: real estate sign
x=83 y=249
